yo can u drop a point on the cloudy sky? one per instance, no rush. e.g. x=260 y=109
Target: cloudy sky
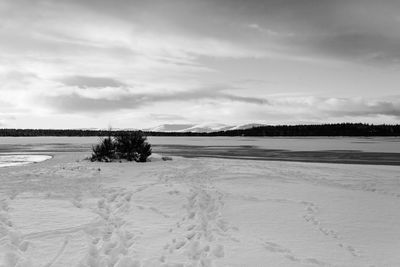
x=141 y=63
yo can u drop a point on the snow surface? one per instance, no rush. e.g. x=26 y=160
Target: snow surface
x=198 y=212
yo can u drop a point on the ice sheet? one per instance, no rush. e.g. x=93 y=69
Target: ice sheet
x=15 y=160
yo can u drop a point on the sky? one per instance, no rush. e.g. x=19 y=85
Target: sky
x=142 y=63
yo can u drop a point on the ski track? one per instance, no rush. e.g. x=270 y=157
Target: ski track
x=312 y=218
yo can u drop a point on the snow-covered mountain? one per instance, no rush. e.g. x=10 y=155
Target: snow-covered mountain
x=169 y=128
x=246 y=126
x=200 y=128
x=206 y=128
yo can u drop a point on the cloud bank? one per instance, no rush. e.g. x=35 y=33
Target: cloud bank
x=227 y=61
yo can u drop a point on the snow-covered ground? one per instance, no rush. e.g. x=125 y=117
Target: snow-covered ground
x=198 y=212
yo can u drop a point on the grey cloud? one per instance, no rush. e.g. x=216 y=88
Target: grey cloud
x=359 y=46
x=324 y=109
x=357 y=108
x=166 y=117
x=252 y=100
x=352 y=29
x=77 y=103
x=87 y=81
x=4 y=118
x=21 y=77
x=330 y=107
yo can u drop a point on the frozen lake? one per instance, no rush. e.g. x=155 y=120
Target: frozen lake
x=366 y=144
x=360 y=150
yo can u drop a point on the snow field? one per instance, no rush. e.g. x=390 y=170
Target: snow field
x=198 y=212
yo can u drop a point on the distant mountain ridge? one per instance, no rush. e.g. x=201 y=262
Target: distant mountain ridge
x=200 y=128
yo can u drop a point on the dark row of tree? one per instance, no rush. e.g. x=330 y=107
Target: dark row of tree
x=339 y=129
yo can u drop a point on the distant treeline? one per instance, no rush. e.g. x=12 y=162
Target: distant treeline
x=78 y=132
x=340 y=129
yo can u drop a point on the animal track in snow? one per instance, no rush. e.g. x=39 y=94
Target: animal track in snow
x=311 y=217
x=288 y=254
